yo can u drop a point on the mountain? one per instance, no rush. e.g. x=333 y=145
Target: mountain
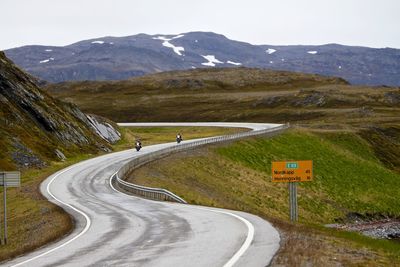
x=116 y=58
x=325 y=104
x=35 y=128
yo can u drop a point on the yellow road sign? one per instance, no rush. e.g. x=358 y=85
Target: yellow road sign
x=292 y=171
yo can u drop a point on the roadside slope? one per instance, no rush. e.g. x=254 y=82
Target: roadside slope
x=111 y=226
x=350 y=183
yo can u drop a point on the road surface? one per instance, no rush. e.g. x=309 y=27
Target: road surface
x=114 y=229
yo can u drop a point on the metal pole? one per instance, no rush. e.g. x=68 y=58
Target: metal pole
x=297 y=207
x=291 y=201
x=295 y=200
x=1 y=236
x=292 y=191
x=5 y=209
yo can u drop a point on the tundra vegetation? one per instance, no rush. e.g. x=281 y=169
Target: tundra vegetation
x=351 y=133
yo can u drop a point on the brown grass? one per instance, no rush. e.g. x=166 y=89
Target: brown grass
x=32 y=220
x=235 y=95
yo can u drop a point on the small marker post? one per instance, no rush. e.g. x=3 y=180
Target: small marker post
x=8 y=179
x=5 y=208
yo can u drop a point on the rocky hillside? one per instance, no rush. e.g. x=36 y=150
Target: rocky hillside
x=36 y=128
x=116 y=58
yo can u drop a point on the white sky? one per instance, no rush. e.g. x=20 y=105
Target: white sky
x=374 y=23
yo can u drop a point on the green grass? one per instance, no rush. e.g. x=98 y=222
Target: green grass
x=393 y=248
x=348 y=177
x=157 y=135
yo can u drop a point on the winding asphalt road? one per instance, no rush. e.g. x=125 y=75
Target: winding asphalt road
x=114 y=229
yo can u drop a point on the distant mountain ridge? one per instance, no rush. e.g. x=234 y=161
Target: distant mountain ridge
x=116 y=58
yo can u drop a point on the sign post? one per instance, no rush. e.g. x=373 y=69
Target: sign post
x=2 y=180
x=5 y=208
x=9 y=179
x=292 y=172
x=293 y=201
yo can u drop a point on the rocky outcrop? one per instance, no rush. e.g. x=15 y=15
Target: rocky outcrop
x=104 y=129
x=36 y=128
x=392 y=98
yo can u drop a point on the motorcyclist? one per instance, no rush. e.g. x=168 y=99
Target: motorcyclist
x=138 y=144
x=179 y=138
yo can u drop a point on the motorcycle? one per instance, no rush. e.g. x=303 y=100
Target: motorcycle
x=138 y=145
x=179 y=139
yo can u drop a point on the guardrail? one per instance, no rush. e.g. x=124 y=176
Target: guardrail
x=162 y=194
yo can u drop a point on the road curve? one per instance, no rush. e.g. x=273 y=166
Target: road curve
x=114 y=229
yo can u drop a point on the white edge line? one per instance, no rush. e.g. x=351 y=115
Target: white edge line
x=88 y=222
x=246 y=244
x=250 y=228
x=231 y=262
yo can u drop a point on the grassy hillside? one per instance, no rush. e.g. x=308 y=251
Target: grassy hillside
x=236 y=95
x=349 y=179
x=242 y=94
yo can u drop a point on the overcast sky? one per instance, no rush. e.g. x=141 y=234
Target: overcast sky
x=374 y=23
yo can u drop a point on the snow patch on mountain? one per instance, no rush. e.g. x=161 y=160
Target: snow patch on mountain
x=211 y=61
x=234 y=63
x=178 y=36
x=270 y=51
x=98 y=42
x=312 y=52
x=166 y=43
x=46 y=60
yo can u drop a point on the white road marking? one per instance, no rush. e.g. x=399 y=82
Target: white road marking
x=231 y=262
x=246 y=244
x=88 y=221
x=250 y=228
